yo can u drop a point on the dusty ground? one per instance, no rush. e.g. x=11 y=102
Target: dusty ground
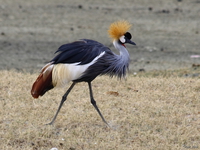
x=167 y=33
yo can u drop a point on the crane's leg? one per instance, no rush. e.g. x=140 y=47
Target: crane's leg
x=94 y=104
x=61 y=103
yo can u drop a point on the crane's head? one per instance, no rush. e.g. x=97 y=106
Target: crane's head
x=119 y=31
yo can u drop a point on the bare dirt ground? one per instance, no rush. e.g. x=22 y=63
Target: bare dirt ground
x=167 y=33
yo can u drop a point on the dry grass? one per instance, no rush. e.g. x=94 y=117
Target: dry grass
x=144 y=112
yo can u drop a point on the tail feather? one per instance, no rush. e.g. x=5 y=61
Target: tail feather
x=44 y=82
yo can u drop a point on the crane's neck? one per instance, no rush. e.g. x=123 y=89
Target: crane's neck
x=122 y=50
x=122 y=60
x=117 y=65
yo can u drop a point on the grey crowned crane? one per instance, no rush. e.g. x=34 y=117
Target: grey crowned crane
x=83 y=61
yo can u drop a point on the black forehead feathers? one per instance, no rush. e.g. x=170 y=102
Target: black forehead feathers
x=128 y=35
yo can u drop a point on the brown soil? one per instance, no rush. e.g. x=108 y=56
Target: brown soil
x=167 y=33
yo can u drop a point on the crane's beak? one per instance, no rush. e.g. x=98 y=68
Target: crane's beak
x=130 y=42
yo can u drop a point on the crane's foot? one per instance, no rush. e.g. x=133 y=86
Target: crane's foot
x=49 y=123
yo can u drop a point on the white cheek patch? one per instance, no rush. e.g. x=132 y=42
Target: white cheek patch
x=122 y=39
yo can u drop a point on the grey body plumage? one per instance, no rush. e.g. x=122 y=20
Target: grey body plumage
x=109 y=63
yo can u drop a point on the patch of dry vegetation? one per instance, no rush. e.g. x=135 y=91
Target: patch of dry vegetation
x=144 y=112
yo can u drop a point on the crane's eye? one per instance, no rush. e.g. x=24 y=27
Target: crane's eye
x=122 y=39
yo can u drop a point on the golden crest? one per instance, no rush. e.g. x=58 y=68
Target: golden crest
x=119 y=28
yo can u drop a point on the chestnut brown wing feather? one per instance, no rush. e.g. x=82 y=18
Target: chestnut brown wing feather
x=43 y=83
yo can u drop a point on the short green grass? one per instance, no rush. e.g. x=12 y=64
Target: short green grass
x=147 y=111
